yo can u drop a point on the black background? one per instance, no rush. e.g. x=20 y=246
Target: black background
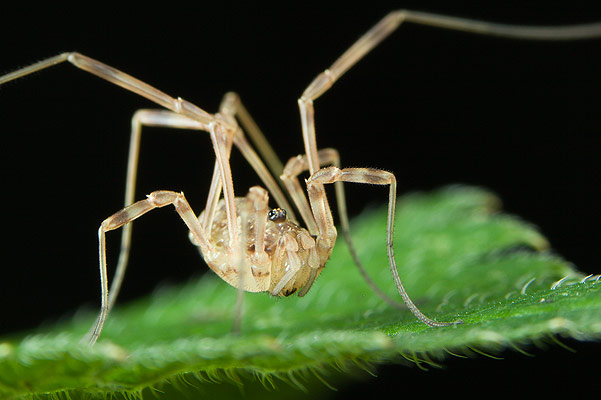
x=433 y=106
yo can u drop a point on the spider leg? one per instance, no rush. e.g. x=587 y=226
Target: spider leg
x=232 y=105
x=288 y=250
x=118 y=78
x=297 y=165
x=156 y=118
x=394 y=19
x=125 y=216
x=221 y=138
x=374 y=177
x=389 y=24
x=219 y=131
x=372 y=38
x=294 y=167
x=231 y=108
x=143 y=117
x=260 y=260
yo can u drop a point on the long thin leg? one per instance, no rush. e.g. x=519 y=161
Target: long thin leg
x=125 y=216
x=221 y=144
x=231 y=108
x=219 y=129
x=391 y=22
x=119 y=78
x=296 y=166
x=232 y=101
x=183 y=115
x=293 y=263
x=206 y=218
x=221 y=134
x=394 y=19
x=374 y=177
x=164 y=118
x=160 y=118
x=356 y=52
x=260 y=260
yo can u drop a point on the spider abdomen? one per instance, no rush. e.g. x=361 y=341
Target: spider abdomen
x=288 y=263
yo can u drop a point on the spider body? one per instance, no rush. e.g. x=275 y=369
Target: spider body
x=290 y=260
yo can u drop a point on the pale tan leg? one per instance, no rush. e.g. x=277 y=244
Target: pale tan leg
x=260 y=199
x=239 y=261
x=289 y=250
x=394 y=19
x=374 y=177
x=231 y=108
x=222 y=143
x=296 y=166
x=159 y=118
x=163 y=118
x=232 y=101
x=206 y=218
x=261 y=262
x=128 y=214
x=119 y=78
x=220 y=132
x=317 y=195
x=385 y=27
x=222 y=146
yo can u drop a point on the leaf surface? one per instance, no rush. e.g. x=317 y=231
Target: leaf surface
x=458 y=257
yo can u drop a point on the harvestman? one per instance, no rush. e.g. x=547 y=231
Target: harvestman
x=248 y=245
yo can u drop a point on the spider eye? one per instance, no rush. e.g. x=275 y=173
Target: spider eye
x=277 y=215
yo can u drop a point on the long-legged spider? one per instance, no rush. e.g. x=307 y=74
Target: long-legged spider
x=248 y=245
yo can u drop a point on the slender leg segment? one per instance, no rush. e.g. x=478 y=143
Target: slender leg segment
x=219 y=130
x=224 y=132
x=231 y=102
x=374 y=177
x=294 y=167
x=158 y=118
x=348 y=59
x=299 y=164
x=231 y=108
x=118 y=78
x=168 y=119
x=128 y=214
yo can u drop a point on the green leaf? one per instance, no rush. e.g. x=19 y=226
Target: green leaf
x=458 y=259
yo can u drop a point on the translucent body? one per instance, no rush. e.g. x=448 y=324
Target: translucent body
x=292 y=261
